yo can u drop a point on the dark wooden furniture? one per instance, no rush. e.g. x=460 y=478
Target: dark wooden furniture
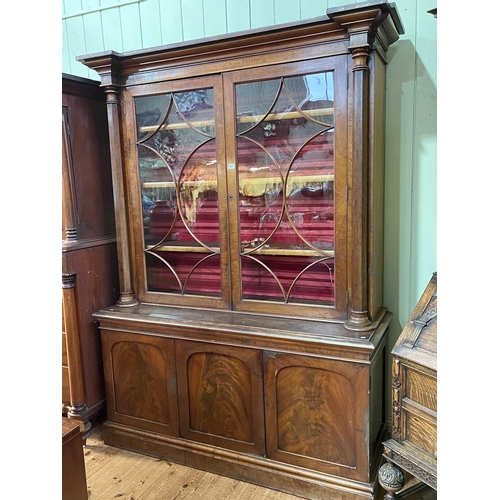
x=249 y=338
x=413 y=446
x=89 y=262
x=74 y=480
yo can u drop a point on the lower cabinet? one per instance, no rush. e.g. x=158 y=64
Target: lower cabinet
x=303 y=422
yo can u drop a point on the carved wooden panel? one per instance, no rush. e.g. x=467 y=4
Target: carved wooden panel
x=140 y=381
x=220 y=395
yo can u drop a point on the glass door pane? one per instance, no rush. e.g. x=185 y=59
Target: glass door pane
x=177 y=155
x=285 y=141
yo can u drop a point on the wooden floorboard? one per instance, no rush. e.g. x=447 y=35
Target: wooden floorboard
x=115 y=474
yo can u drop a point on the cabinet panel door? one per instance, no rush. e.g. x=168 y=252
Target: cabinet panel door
x=221 y=395
x=317 y=413
x=140 y=381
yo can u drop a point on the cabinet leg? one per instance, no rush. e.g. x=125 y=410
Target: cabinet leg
x=392 y=479
x=77 y=412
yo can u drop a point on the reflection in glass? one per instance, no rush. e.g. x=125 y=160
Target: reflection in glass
x=285 y=152
x=178 y=171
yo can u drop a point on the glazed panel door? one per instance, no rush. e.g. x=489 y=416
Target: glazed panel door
x=178 y=192
x=286 y=131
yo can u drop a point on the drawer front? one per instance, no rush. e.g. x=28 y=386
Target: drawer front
x=421 y=388
x=420 y=432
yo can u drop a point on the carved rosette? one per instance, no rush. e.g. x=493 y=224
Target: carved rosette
x=392 y=479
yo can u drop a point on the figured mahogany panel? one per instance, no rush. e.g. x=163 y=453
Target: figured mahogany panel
x=140 y=381
x=315 y=413
x=309 y=411
x=221 y=397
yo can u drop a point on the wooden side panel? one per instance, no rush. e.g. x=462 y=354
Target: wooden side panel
x=140 y=381
x=91 y=164
x=378 y=429
x=221 y=395
x=74 y=481
x=316 y=411
x=96 y=286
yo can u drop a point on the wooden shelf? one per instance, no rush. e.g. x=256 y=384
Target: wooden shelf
x=265 y=250
x=247 y=187
x=243 y=119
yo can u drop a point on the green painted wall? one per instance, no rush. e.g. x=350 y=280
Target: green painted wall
x=411 y=184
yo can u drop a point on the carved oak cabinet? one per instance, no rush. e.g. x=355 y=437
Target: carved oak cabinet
x=413 y=444
x=249 y=338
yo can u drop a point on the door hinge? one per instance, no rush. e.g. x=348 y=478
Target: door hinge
x=347 y=297
x=347 y=193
